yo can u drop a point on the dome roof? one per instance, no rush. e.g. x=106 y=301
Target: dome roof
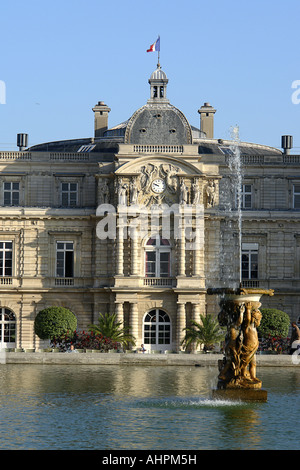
x=158 y=123
x=158 y=74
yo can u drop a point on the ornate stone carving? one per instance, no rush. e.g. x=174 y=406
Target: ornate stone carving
x=134 y=191
x=121 y=190
x=169 y=172
x=148 y=173
x=103 y=192
x=196 y=192
x=183 y=198
x=211 y=193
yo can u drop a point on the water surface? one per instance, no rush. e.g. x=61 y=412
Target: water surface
x=78 y=407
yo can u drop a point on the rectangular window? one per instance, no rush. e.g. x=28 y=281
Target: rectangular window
x=64 y=259
x=69 y=194
x=6 y=257
x=158 y=263
x=150 y=264
x=11 y=195
x=164 y=264
x=250 y=261
x=246 y=196
x=296 y=196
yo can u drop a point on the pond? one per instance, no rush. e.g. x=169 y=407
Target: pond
x=88 y=407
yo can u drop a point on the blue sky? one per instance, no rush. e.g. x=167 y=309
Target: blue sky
x=58 y=58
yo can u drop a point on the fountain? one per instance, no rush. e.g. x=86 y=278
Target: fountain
x=237 y=371
x=241 y=316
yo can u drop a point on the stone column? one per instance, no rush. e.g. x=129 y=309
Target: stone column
x=119 y=312
x=181 y=323
x=134 y=252
x=134 y=321
x=197 y=254
x=182 y=250
x=195 y=317
x=120 y=250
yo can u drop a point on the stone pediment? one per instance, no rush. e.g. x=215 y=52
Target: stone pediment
x=158 y=180
x=163 y=164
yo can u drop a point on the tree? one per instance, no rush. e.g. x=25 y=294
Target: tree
x=207 y=332
x=109 y=327
x=54 y=322
x=273 y=323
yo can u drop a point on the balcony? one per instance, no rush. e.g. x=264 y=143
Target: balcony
x=250 y=283
x=158 y=282
x=6 y=281
x=64 y=281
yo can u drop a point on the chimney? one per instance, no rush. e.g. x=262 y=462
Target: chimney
x=207 y=120
x=101 y=111
x=286 y=143
x=22 y=141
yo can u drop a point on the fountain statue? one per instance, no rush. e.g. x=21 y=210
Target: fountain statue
x=241 y=316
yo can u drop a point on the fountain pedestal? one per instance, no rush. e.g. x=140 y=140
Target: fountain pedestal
x=237 y=371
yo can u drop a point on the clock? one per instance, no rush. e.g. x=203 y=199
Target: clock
x=158 y=185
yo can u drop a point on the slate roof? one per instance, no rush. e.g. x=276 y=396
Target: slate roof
x=221 y=147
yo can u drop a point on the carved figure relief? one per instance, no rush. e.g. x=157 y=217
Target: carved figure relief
x=211 y=193
x=183 y=198
x=196 y=192
x=149 y=171
x=103 y=192
x=158 y=184
x=134 y=192
x=169 y=172
x=121 y=190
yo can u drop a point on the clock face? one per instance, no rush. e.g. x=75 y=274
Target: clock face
x=158 y=185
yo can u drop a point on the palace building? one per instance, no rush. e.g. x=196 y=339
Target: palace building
x=141 y=219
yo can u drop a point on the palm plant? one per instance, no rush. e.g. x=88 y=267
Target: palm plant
x=206 y=332
x=109 y=327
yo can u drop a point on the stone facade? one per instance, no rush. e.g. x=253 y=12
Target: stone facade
x=73 y=217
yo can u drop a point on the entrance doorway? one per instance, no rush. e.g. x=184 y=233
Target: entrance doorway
x=7 y=328
x=157 y=330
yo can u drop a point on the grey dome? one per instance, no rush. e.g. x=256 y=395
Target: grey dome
x=158 y=74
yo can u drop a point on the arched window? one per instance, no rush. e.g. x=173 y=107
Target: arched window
x=157 y=330
x=157 y=257
x=7 y=328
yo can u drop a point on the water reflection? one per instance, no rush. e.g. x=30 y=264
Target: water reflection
x=128 y=407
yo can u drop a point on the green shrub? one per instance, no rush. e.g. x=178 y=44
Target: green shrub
x=273 y=323
x=54 y=322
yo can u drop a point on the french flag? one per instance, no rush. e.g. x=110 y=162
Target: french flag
x=155 y=46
